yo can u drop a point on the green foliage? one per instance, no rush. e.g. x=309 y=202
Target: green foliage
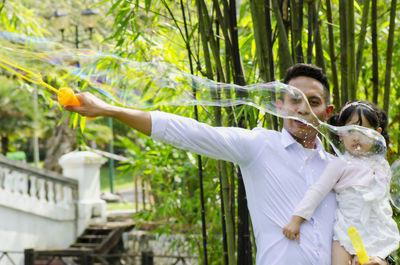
x=175 y=186
x=15 y=16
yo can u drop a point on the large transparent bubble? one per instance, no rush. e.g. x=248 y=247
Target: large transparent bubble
x=150 y=84
x=395 y=184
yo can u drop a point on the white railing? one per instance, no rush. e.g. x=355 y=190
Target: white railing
x=36 y=191
x=44 y=210
x=38 y=209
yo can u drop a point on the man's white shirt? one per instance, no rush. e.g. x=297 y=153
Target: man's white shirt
x=277 y=172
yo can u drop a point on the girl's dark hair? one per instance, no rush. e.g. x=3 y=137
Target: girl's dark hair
x=375 y=116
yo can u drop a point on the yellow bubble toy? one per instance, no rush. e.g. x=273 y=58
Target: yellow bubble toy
x=358 y=245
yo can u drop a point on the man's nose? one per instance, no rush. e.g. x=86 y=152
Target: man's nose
x=303 y=108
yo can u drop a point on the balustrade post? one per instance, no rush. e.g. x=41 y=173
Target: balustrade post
x=85 y=166
x=147 y=258
x=29 y=256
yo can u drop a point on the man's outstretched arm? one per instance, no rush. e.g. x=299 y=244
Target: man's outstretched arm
x=91 y=106
x=232 y=144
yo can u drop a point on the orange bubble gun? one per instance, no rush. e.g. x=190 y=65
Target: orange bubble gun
x=66 y=97
x=358 y=245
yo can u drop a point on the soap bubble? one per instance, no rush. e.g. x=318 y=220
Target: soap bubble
x=147 y=85
x=395 y=184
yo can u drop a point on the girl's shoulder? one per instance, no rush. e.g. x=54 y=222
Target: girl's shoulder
x=337 y=163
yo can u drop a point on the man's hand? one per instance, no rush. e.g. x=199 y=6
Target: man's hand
x=372 y=261
x=292 y=229
x=91 y=106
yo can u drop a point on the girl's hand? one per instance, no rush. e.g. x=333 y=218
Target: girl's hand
x=372 y=261
x=292 y=229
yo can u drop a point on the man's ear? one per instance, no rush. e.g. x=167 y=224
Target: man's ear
x=329 y=111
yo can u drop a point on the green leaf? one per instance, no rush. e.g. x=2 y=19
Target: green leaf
x=113 y=7
x=66 y=113
x=100 y=3
x=147 y=5
x=82 y=123
x=357 y=6
x=75 y=120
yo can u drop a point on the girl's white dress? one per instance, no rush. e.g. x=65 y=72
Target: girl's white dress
x=362 y=192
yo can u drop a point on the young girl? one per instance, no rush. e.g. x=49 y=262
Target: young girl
x=361 y=182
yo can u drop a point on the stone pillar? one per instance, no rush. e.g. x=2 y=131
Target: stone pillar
x=84 y=166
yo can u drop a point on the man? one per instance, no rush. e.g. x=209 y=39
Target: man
x=277 y=167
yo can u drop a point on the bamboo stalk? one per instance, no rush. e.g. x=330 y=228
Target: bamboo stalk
x=274 y=123
x=389 y=57
x=204 y=30
x=269 y=42
x=361 y=39
x=310 y=43
x=343 y=53
x=237 y=65
x=211 y=41
x=285 y=60
x=319 y=51
x=260 y=36
x=375 y=67
x=296 y=11
x=136 y=193
x=335 y=89
x=350 y=47
x=199 y=160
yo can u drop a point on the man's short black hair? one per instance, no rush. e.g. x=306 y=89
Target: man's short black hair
x=308 y=70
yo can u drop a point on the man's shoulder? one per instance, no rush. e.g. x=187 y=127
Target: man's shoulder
x=267 y=137
x=266 y=132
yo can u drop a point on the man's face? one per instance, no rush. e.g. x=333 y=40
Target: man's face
x=314 y=92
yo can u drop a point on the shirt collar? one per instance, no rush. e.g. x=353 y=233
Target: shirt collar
x=288 y=140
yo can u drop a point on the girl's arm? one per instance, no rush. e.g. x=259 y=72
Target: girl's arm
x=315 y=194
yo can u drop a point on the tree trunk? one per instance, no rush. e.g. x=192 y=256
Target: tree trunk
x=61 y=142
x=389 y=55
x=4 y=143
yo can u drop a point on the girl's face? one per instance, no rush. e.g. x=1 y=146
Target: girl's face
x=356 y=142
